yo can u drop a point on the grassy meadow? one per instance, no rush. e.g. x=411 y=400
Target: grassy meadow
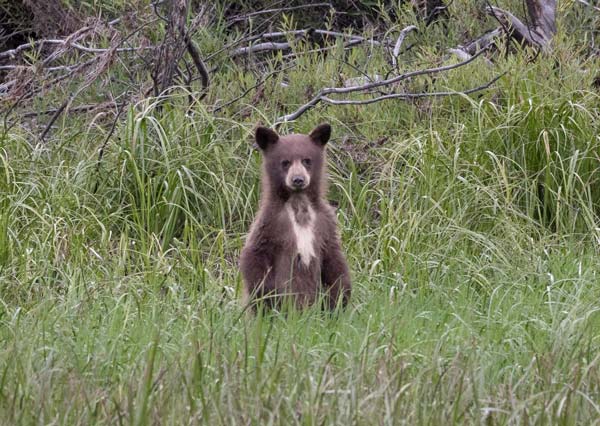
x=471 y=225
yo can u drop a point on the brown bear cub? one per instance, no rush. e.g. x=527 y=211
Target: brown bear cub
x=293 y=248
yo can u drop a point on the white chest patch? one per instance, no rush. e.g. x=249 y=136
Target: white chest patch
x=305 y=235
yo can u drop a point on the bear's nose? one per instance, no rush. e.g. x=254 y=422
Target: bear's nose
x=298 y=181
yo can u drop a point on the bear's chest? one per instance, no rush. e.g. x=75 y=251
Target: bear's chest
x=302 y=221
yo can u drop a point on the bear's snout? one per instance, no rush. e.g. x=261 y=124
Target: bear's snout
x=297 y=177
x=298 y=181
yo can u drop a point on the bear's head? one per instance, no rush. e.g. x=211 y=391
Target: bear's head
x=293 y=163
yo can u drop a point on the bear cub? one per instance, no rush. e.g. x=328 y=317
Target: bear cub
x=293 y=249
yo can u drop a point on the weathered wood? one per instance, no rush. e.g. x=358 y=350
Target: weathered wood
x=542 y=18
x=172 y=47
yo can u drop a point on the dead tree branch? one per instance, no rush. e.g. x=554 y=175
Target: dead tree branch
x=245 y=92
x=410 y=95
x=54 y=117
x=540 y=32
x=399 y=42
x=370 y=86
x=198 y=62
x=260 y=47
x=309 y=32
x=12 y=53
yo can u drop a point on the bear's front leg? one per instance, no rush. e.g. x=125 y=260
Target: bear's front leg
x=256 y=267
x=335 y=275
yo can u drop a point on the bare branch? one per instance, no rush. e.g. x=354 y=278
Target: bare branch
x=482 y=42
x=275 y=46
x=410 y=95
x=198 y=62
x=259 y=83
x=399 y=42
x=513 y=23
x=261 y=47
x=13 y=52
x=543 y=15
x=369 y=86
x=542 y=28
x=354 y=39
x=54 y=117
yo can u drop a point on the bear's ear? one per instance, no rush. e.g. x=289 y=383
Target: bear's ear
x=265 y=137
x=321 y=134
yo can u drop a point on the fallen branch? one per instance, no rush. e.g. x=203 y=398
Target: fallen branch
x=369 y=86
x=483 y=42
x=542 y=27
x=245 y=92
x=40 y=43
x=197 y=59
x=261 y=47
x=309 y=32
x=354 y=39
x=410 y=95
x=516 y=28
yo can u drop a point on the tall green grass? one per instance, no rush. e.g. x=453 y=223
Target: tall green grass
x=470 y=224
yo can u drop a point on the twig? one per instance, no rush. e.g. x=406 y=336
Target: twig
x=200 y=66
x=399 y=42
x=55 y=116
x=32 y=67
x=368 y=86
x=259 y=83
x=435 y=12
x=121 y=108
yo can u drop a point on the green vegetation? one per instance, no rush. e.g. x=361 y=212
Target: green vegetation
x=470 y=223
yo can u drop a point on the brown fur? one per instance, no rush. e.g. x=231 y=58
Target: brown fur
x=270 y=263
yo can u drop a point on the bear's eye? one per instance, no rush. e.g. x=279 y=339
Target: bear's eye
x=306 y=162
x=285 y=164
